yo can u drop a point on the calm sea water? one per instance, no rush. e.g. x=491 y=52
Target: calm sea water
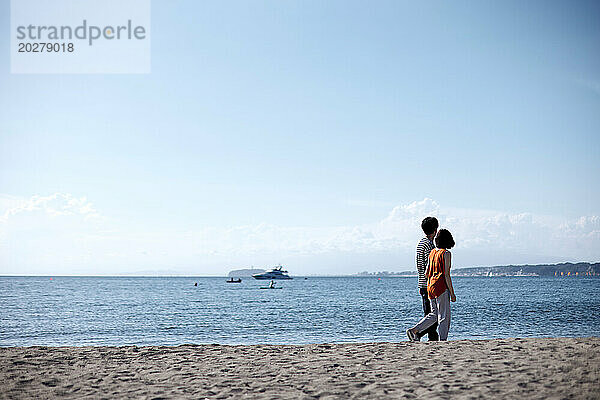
x=169 y=311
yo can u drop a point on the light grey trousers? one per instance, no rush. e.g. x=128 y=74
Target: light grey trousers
x=440 y=313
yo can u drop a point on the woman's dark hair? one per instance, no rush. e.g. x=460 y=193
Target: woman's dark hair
x=444 y=240
x=429 y=225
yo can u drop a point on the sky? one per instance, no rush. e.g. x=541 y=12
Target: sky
x=313 y=134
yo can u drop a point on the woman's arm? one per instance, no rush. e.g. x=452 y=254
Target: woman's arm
x=447 y=265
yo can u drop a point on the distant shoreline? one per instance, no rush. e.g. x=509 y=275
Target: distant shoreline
x=545 y=270
x=295 y=277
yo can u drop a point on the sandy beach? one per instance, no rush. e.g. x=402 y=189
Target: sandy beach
x=504 y=368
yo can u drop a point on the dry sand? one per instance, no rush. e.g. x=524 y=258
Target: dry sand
x=505 y=368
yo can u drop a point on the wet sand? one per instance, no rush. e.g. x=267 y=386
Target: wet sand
x=502 y=368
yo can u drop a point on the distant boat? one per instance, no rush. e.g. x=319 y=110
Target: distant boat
x=231 y=280
x=521 y=273
x=274 y=273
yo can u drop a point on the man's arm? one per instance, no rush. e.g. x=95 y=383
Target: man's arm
x=420 y=261
x=447 y=265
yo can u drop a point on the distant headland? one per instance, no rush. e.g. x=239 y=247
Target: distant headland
x=564 y=269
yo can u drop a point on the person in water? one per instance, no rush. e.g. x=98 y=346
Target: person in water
x=424 y=247
x=272 y=285
x=439 y=288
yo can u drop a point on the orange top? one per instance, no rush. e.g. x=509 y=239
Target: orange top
x=436 y=281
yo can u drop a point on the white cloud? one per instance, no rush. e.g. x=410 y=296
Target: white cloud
x=46 y=232
x=62 y=233
x=58 y=204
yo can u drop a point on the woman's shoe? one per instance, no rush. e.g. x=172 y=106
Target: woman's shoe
x=412 y=336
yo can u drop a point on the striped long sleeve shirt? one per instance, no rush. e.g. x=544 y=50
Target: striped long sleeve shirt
x=423 y=249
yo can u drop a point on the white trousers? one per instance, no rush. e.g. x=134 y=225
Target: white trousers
x=440 y=313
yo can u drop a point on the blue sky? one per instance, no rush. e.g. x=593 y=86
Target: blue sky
x=316 y=119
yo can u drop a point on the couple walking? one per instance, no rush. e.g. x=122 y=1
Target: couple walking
x=435 y=284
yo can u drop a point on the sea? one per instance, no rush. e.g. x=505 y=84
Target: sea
x=119 y=311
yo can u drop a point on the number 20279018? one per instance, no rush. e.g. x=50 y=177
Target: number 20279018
x=46 y=47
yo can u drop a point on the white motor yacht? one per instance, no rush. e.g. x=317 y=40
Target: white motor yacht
x=274 y=273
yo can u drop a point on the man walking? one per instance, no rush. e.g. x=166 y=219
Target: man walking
x=430 y=226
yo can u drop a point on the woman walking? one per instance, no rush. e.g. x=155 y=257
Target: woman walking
x=439 y=288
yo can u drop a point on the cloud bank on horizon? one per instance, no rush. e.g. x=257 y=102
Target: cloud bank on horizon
x=65 y=234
